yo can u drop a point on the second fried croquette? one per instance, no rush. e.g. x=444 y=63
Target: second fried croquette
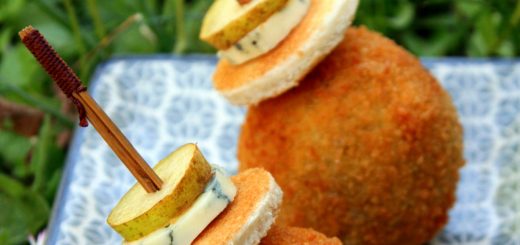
x=278 y=235
x=367 y=148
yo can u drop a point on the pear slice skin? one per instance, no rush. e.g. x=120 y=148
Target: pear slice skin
x=185 y=173
x=227 y=21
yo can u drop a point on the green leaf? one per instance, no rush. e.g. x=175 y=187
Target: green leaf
x=443 y=43
x=26 y=215
x=59 y=37
x=52 y=184
x=47 y=160
x=487 y=27
x=5 y=37
x=22 y=69
x=51 y=106
x=403 y=16
x=133 y=41
x=506 y=49
x=4 y=236
x=181 y=41
x=46 y=17
x=99 y=26
x=477 y=45
x=515 y=18
x=49 y=7
x=438 y=21
x=485 y=39
x=14 y=151
x=11 y=186
x=11 y=9
x=194 y=15
x=40 y=156
x=470 y=8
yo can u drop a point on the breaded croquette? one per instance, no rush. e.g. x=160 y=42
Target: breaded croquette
x=367 y=148
x=292 y=235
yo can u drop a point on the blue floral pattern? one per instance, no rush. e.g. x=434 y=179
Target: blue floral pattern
x=487 y=96
x=161 y=103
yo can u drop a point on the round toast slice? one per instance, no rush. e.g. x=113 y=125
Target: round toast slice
x=248 y=218
x=282 y=68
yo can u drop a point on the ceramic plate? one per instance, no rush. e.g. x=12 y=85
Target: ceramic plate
x=163 y=102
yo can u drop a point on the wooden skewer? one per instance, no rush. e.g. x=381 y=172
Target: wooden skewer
x=70 y=84
x=119 y=143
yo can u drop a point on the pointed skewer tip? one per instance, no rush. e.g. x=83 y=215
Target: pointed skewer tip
x=26 y=31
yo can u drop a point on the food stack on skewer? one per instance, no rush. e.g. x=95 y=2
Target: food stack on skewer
x=362 y=141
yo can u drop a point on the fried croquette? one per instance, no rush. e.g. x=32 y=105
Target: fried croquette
x=367 y=148
x=292 y=235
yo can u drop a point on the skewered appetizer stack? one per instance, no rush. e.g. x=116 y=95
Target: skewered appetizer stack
x=362 y=139
x=243 y=31
x=183 y=199
x=178 y=200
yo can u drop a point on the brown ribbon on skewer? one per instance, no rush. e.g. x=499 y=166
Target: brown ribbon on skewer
x=54 y=65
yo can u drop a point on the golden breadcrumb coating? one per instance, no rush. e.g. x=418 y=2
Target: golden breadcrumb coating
x=279 y=235
x=367 y=148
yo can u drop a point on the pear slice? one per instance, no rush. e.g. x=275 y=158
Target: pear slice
x=227 y=21
x=185 y=173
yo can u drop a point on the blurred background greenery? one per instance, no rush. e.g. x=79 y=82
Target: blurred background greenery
x=36 y=120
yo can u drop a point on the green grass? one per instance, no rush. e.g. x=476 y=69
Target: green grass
x=88 y=32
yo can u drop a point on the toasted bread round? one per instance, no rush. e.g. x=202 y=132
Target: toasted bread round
x=282 y=68
x=248 y=218
x=279 y=235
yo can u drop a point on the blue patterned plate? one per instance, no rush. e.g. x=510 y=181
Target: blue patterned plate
x=161 y=102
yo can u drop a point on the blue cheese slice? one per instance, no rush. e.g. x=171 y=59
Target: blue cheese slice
x=219 y=192
x=267 y=35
